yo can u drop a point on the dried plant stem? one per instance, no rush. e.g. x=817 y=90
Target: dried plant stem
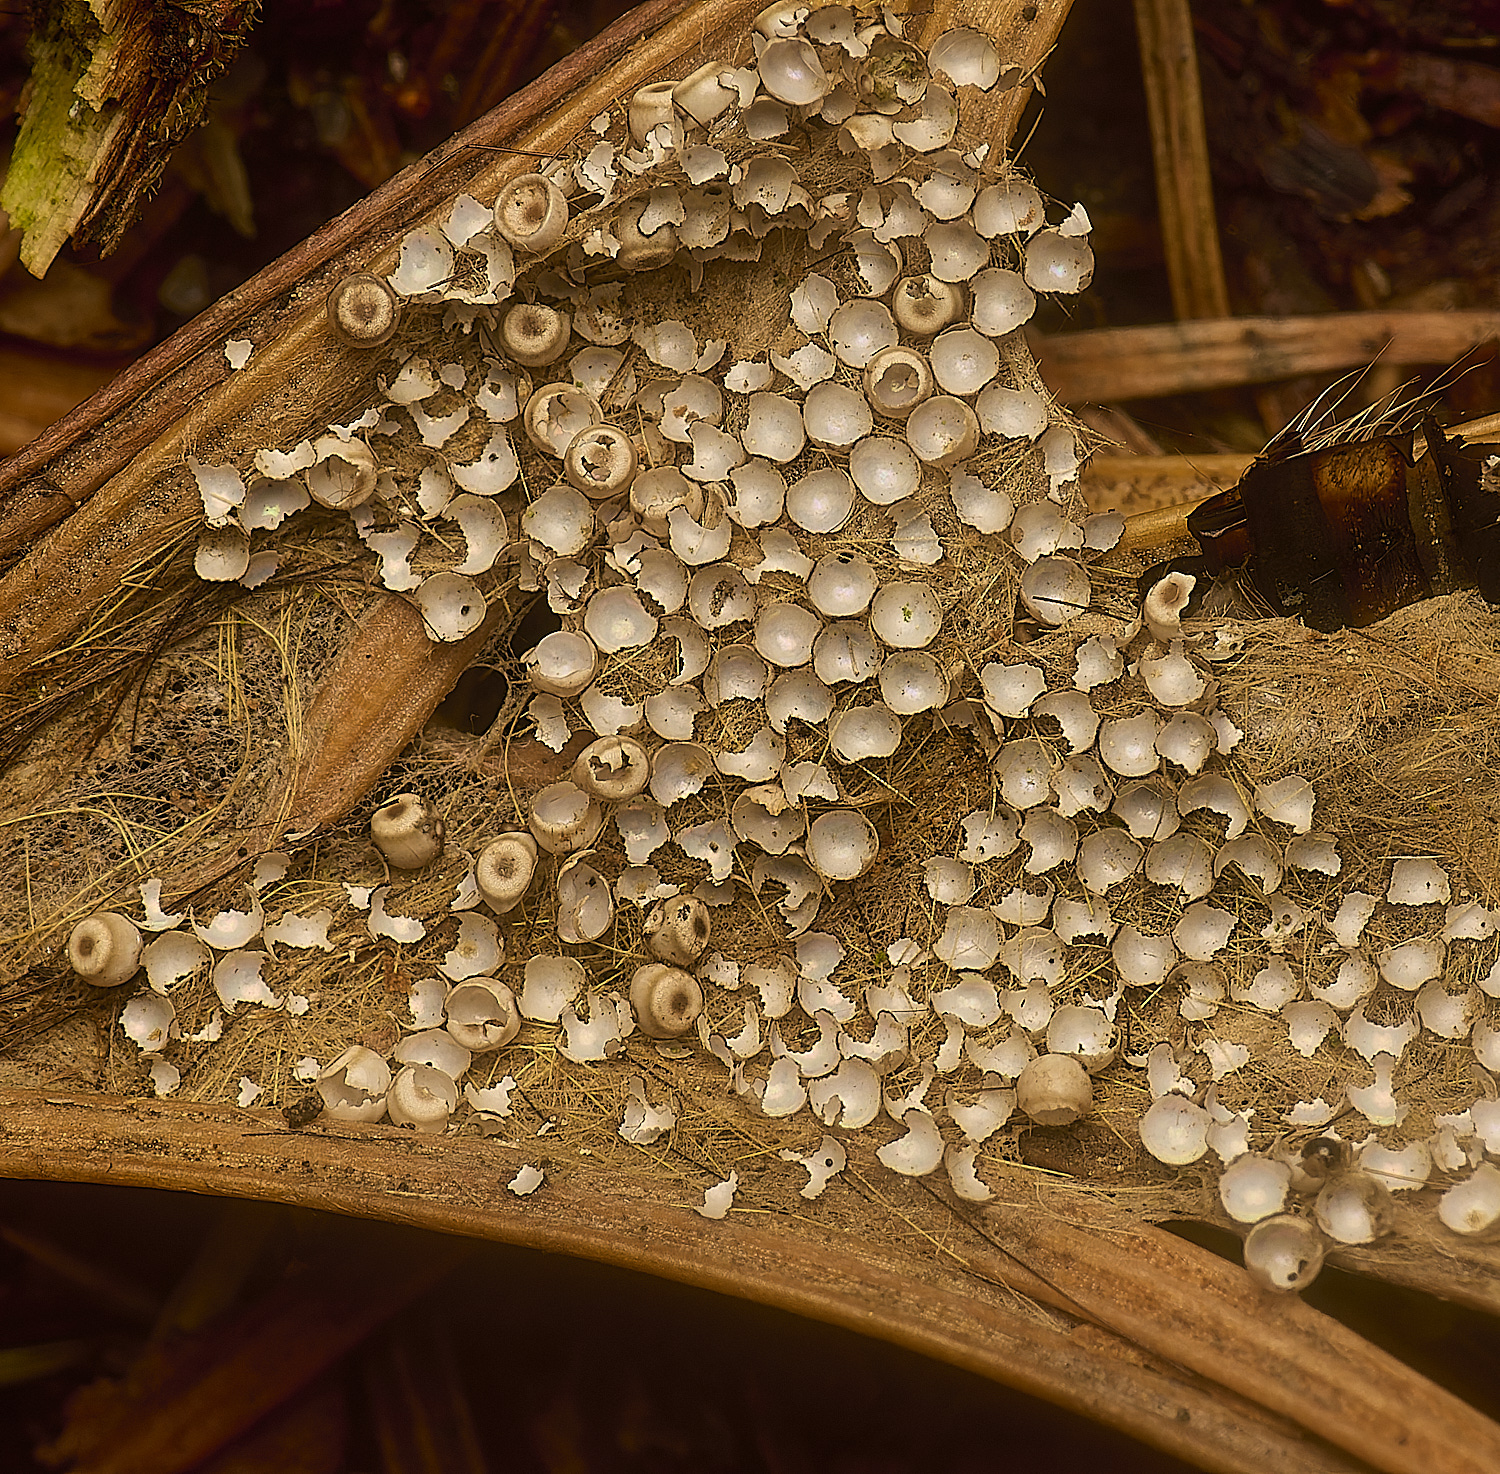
x=1133 y=484
x=1176 y=358
x=1185 y=1303
x=1179 y=147
x=960 y=1306
x=186 y=1399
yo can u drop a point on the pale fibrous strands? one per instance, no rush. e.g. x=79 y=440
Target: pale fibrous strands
x=829 y=622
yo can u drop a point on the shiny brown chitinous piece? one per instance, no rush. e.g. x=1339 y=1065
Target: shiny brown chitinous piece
x=1346 y=534
x=363 y=311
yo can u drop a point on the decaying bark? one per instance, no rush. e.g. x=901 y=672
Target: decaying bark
x=115 y=86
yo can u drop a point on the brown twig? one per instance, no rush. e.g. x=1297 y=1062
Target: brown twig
x=186 y=1400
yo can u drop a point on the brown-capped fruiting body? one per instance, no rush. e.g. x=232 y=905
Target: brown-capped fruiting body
x=666 y=1000
x=612 y=769
x=1054 y=1090
x=650 y=108
x=363 y=311
x=408 y=831
x=922 y=305
x=531 y=213
x=105 y=949
x=504 y=870
x=535 y=334
x=677 y=930
x=897 y=380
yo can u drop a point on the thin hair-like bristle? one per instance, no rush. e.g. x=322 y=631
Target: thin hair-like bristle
x=1317 y=428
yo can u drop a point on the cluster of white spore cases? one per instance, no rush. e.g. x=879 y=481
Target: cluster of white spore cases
x=763 y=564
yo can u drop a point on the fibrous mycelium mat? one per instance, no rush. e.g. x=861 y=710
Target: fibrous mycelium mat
x=948 y=806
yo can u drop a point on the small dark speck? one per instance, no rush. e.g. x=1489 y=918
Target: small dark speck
x=1184 y=1416
x=1028 y=14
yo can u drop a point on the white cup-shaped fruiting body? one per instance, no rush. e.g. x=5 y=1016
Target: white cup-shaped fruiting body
x=638 y=251
x=656 y=494
x=911 y=681
x=923 y=305
x=860 y=329
x=1084 y=1034
x=702 y=97
x=482 y=1014
x=423 y=1097
x=1355 y=1208
x=563 y=663
x=784 y=634
x=1164 y=604
x=666 y=1000
x=906 y=616
x=556 y=414
x=1283 y=1253
x=504 y=870
x=533 y=333
x=1054 y=1090
x=1472 y=1206
x=564 y=818
x=408 y=831
x=617 y=620
x=836 y=416
x=344 y=474
x=363 y=311
x=1175 y=1130
x=842 y=844
x=1058 y=263
x=963 y=361
x=1055 y=590
x=585 y=904
x=859 y=733
x=677 y=930
x=821 y=501
x=775 y=429
x=600 y=461
x=943 y=430
x=791 y=72
x=1254 y=1187
x=649 y=108
x=897 y=380
x=531 y=213
x=884 y=469
x=105 y=949
x=354 y=1085
x=612 y=769
x=841 y=585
